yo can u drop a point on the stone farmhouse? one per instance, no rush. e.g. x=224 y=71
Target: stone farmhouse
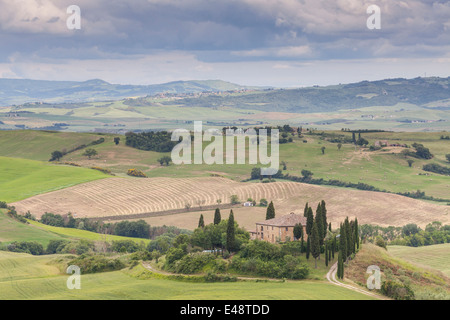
x=279 y=229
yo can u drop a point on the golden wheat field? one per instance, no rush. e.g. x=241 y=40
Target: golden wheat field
x=132 y=196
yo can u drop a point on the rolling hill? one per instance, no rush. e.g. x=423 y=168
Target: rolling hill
x=20 y=91
x=125 y=197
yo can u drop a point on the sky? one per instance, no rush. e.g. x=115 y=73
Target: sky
x=280 y=43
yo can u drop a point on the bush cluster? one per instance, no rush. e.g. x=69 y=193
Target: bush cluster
x=136 y=173
x=97 y=263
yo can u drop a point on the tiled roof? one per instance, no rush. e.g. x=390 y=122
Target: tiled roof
x=288 y=220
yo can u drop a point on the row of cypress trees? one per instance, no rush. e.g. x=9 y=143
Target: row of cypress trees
x=348 y=243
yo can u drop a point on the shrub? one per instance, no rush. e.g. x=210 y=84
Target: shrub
x=56 y=246
x=31 y=247
x=193 y=262
x=97 y=263
x=51 y=219
x=3 y=205
x=136 y=173
x=128 y=246
x=397 y=290
x=79 y=247
x=106 y=171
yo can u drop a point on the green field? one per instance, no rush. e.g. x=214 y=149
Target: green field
x=385 y=169
x=24 y=276
x=38 y=145
x=21 y=179
x=82 y=234
x=434 y=256
x=12 y=230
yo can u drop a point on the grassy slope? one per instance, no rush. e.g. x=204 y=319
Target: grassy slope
x=435 y=256
x=82 y=234
x=28 y=277
x=20 y=178
x=12 y=230
x=422 y=280
x=38 y=145
x=382 y=169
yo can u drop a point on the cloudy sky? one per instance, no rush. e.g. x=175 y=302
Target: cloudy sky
x=282 y=43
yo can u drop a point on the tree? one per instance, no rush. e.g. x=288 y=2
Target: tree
x=324 y=218
x=56 y=155
x=230 y=237
x=410 y=162
x=323 y=150
x=307 y=175
x=339 y=145
x=315 y=242
x=308 y=247
x=217 y=217
x=343 y=242
x=263 y=202
x=165 y=160
x=319 y=221
x=255 y=174
x=90 y=153
x=309 y=221
x=305 y=211
x=356 y=234
x=298 y=231
x=340 y=266
x=234 y=199
x=116 y=140
x=201 y=222
x=270 y=212
x=326 y=254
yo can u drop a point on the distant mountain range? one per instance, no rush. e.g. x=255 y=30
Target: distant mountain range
x=20 y=91
x=431 y=92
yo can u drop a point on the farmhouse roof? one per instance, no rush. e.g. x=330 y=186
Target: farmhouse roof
x=288 y=220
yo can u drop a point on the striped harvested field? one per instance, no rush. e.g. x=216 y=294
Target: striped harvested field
x=132 y=196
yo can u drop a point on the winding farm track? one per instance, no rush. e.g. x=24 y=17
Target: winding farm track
x=113 y=198
x=331 y=277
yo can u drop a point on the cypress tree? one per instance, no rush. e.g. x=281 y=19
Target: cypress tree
x=340 y=270
x=343 y=242
x=305 y=211
x=230 y=232
x=319 y=222
x=298 y=231
x=217 y=217
x=348 y=240
x=356 y=233
x=315 y=242
x=309 y=221
x=326 y=254
x=302 y=249
x=270 y=213
x=308 y=247
x=324 y=218
x=333 y=247
x=329 y=226
x=329 y=255
x=201 y=222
